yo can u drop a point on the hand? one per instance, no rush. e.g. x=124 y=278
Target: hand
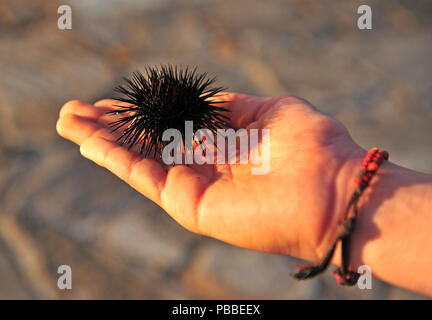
x=292 y=210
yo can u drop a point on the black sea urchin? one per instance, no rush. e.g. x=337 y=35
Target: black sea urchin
x=164 y=98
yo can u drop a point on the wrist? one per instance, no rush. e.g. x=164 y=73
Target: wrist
x=393 y=225
x=344 y=188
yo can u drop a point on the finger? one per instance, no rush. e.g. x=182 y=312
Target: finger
x=79 y=120
x=77 y=129
x=89 y=112
x=86 y=110
x=111 y=104
x=81 y=109
x=96 y=141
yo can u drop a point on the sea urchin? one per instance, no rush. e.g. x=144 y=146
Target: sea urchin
x=164 y=98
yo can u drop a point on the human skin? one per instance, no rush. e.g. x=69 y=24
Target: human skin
x=296 y=207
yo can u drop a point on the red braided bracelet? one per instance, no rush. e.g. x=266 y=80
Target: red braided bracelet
x=371 y=162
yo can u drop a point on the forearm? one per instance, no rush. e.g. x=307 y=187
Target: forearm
x=393 y=233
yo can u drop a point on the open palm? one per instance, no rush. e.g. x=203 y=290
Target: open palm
x=293 y=209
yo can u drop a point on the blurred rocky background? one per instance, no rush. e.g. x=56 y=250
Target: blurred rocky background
x=58 y=208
